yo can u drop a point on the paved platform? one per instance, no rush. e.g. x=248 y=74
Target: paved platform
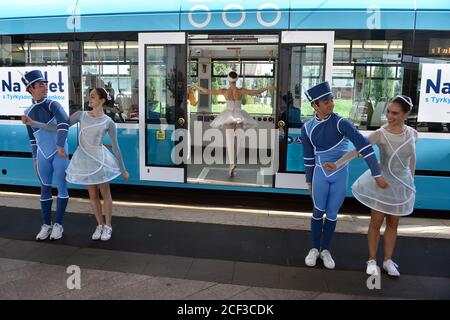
x=167 y=251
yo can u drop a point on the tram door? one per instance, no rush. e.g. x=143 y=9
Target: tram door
x=306 y=59
x=162 y=106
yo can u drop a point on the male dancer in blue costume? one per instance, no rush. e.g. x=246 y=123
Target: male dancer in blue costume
x=325 y=139
x=49 y=149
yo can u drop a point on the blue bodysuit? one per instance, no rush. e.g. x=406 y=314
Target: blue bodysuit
x=43 y=145
x=326 y=141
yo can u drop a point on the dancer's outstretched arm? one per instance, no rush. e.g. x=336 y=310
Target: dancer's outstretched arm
x=374 y=138
x=74 y=118
x=256 y=91
x=208 y=91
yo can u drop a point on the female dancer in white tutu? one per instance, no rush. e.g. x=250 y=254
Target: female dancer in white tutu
x=92 y=164
x=233 y=117
x=396 y=142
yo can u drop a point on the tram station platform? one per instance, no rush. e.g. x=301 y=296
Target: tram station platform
x=162 y=250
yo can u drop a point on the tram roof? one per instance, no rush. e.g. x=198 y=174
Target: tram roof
x=65 y=16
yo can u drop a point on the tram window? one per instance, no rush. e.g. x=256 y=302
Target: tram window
x=307 y=70
x=160 y=83
x=12 y=53
x=105 y=51
x=131 y=51
x=193 y=74
x=113 y=65
x=35 y=53
x=252 y=75
x=342 y=51
x=374 y=86
x=193 y=69
x=312 y=71
x=48 y=53
x=366 y=74
x=259 y=69
x=343 y=83
x=377 y=51
x=343 y=92
x=221 y=69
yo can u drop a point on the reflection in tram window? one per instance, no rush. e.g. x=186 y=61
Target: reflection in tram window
x=160 y=101
x=343 y=83
x=366 y=74
x=307 y=70
x=161 y=82
x=293 y=115
x=374 y=86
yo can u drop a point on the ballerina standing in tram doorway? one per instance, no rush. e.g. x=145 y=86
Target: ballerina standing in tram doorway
x=233 y=118
x=92 y=163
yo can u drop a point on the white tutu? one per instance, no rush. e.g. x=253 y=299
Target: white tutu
x=92 y=162
x=234 y=114
x=398 y=199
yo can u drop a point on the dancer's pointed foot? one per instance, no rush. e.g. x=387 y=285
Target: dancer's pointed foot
x=232 y=170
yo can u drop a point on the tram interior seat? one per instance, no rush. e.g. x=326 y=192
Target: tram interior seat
x=379 y=114
x=361 y=113
x=435 y=126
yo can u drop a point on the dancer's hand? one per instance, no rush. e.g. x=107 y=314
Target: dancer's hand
x=125 y=175
x=329 y=166
x=26 y=120
x=381 y=182
x=310 y=188
x=62 y=153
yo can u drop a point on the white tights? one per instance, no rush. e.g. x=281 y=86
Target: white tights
x=231 y=132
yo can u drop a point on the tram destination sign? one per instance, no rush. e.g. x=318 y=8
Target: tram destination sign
x=14 y=98
x=434 y=103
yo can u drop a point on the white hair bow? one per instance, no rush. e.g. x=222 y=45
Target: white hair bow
x=230 y=79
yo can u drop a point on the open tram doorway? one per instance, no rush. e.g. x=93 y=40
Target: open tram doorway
x=254 y=58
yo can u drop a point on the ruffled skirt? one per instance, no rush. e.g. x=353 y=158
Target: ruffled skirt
x=92 y=165
x=234 y=116
x=397 y=199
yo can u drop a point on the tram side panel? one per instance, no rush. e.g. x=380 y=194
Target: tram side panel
x=16 y=162
x=432 y=178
